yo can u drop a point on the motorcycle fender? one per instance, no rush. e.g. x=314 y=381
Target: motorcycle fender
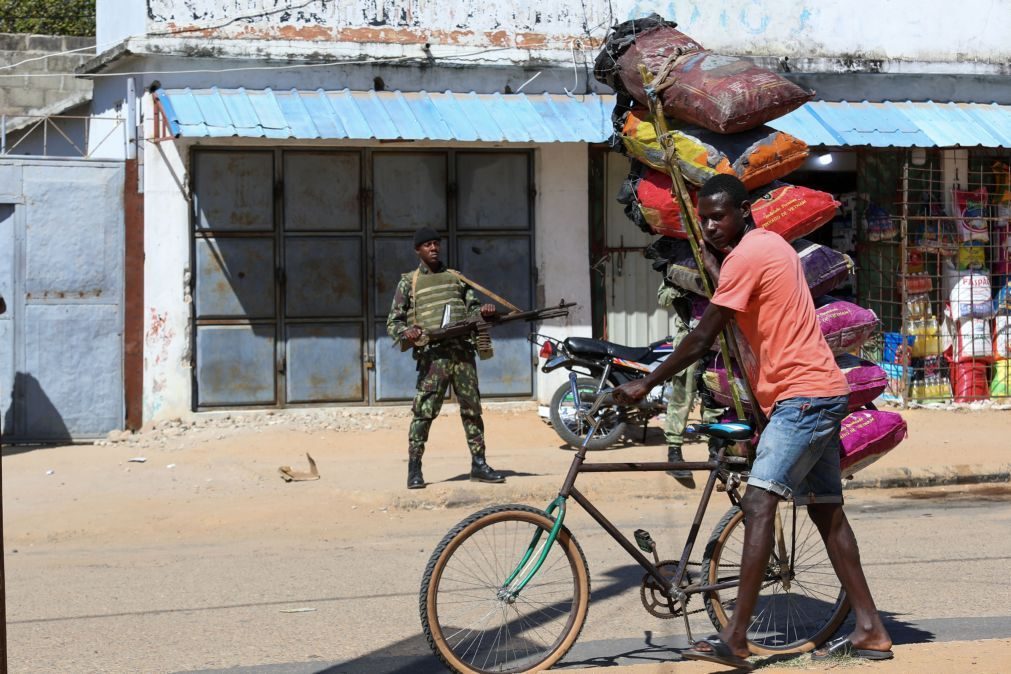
x=555 y=363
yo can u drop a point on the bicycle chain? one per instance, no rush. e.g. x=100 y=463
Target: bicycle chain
x=652 y=601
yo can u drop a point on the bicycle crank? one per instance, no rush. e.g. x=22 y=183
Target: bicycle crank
x=655 y=600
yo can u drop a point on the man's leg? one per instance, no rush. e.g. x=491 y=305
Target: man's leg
x=464 y=375
x=841 y=544
x=676 y=420
x=433 y=379
x=759 y=512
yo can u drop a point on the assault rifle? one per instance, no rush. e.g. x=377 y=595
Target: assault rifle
x=480 y=325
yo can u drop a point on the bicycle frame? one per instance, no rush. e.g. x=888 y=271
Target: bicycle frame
x=531 y=562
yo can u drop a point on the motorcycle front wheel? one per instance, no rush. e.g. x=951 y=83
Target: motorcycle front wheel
x=573 y=430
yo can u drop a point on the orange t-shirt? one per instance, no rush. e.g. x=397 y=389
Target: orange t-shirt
x=763 y=281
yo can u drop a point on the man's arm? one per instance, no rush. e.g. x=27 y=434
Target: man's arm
x=396 y=322
x=694 y=346
x=474 y=306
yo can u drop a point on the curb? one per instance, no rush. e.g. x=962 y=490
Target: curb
x=544 y=488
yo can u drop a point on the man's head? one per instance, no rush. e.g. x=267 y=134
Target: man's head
x=427 y=243
x=724 y=211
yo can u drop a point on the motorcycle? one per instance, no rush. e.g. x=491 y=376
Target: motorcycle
x=604 y=366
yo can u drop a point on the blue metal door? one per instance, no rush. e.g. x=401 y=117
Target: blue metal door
x=61 y=272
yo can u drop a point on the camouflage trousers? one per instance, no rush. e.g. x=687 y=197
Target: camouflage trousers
x=435 y=374
x=679 y=406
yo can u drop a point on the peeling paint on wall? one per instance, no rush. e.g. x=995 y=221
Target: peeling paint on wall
x=925 y=30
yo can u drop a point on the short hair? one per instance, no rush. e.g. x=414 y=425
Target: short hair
x=724 y=183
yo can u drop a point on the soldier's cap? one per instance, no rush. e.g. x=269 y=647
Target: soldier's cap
x=424 y=235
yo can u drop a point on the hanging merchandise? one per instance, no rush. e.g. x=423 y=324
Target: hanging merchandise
x=970 y=214
x=1002 y=227
x=972 y=256
x=879 y=224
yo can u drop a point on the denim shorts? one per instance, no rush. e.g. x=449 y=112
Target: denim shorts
x=798 y=452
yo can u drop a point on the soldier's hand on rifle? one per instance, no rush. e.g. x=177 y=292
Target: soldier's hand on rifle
x=411 y=334
x=488 y=310
x=631 y=392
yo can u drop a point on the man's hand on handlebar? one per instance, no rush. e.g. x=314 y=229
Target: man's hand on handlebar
x=631 y=392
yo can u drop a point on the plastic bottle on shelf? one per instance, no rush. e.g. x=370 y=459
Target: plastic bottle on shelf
x=918 y=389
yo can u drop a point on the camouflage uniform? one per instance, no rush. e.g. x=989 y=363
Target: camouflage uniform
x=439 y=365
x=679 y=405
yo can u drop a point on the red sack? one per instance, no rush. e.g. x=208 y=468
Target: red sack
x=723 y=93
x=792 y=211
x=658 y=206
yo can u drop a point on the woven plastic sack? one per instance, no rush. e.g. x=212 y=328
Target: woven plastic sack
x=659 y=208
x=845 y=325
x=722 y=93
x=866 y=380
x=825 y=269
x=792 y=211
x=619 y=39
x=867 y=435
x=970 y=298
x=1002 y=336
x=627 y=197
x=757 y=157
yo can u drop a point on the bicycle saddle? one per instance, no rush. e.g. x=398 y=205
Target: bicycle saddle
x=731 y=430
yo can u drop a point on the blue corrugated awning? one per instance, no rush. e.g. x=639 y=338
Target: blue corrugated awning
x=899 y=124
x=386 y=115
x=547 y=118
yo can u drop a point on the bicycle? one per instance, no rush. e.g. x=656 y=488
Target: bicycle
x=508 y=588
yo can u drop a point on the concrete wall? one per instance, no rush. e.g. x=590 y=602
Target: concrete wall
x=912 y=30
x=42 y=84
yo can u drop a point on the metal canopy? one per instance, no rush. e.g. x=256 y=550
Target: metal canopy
x=386 y=115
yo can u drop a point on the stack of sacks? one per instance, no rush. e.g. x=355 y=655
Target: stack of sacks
x=716 y=108
x=967 y=319
x=1000 y=382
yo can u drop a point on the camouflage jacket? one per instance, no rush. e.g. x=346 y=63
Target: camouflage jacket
x=399 y=318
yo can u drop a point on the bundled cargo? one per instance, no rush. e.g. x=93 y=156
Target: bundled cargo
x=866 y=380
x=866 y=436
x=845 y=325
x=757 y=157
x=788 y=210
x=824 y=269
x=722 y=93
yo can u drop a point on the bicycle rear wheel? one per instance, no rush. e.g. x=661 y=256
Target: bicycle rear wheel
x=801 y=602
x=471 y=625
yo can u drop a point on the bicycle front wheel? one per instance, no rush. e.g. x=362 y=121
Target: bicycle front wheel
x=472 y=622
x=801 y=602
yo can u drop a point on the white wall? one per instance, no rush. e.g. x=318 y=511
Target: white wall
x=561 y=241
x=117 y=20
x=167 y=337
x=918 y=30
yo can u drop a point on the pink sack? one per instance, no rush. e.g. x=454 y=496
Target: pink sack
x=866 y=380
x=866 y=436
x=845 y=325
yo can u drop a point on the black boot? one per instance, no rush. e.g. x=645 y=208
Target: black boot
x=683 y=476
x=480 y=471
x=414 y=478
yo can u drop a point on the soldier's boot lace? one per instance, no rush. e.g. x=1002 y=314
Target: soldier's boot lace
x=480 y=471
x=415 y=480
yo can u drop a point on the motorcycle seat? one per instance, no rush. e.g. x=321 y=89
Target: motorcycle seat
x=598 y=348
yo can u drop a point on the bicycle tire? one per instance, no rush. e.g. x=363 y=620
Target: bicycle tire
x=806 y=613
x=514 y=525
x=568 y=426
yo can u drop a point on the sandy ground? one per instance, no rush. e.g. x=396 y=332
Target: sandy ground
x=217 y=479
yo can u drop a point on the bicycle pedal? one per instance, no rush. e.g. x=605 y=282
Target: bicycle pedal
x=644 y=541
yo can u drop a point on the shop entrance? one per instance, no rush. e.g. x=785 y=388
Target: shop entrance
x=296 y=255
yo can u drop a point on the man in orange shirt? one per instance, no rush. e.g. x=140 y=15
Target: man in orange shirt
x=761 y=285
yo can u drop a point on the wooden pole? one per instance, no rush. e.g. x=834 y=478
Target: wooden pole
x=729 y=349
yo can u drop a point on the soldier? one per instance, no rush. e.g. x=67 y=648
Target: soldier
x=679 y=404
x=420 y=302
